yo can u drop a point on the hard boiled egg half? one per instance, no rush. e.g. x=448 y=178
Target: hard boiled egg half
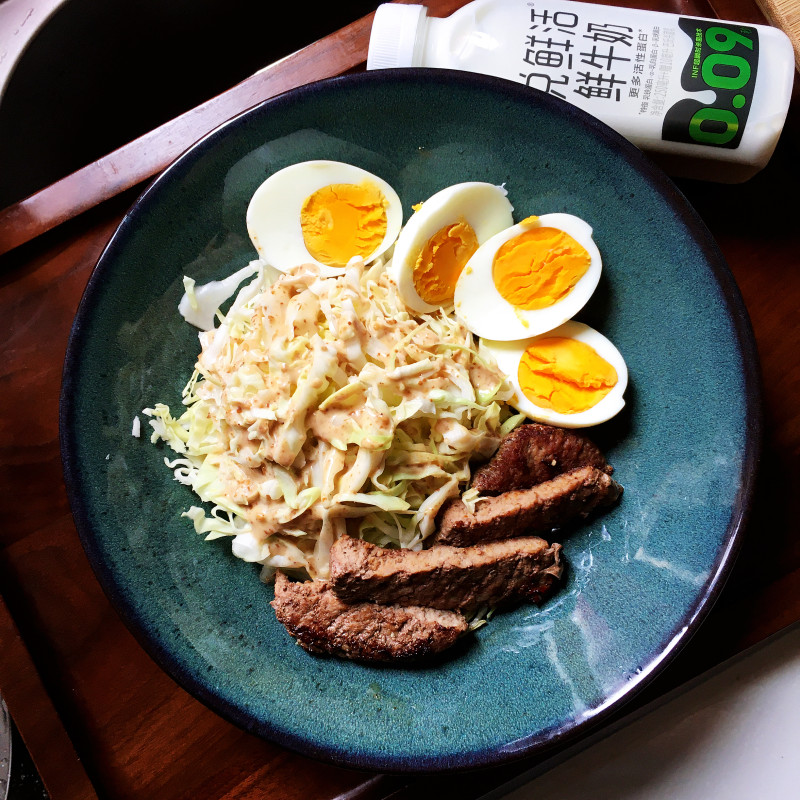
x=572 y=376
x=441 y=236
x=325 y=212
x=529 y=278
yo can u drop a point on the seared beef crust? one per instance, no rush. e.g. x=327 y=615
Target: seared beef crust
x=464 y=578
x=554 y=503
x=323 y=623
x=383 y=605
x=533 y=453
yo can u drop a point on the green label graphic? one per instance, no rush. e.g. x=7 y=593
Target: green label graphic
x=724 y=58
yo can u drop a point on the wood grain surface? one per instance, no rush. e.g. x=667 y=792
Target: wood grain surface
x=86 y=695
x=785 y=14
x=34 y=713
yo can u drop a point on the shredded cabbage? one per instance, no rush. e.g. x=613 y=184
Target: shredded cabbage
x=321 y=406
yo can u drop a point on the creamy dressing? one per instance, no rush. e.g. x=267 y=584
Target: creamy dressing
x=322 y=405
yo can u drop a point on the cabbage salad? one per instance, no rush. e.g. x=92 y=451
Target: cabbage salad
x=321 y=406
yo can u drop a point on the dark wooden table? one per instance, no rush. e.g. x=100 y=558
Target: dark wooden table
x=98 y=716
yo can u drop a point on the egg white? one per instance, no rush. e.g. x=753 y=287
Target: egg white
x=508 y=355
x=273 y=215
x=483 y=206
x=488 y=314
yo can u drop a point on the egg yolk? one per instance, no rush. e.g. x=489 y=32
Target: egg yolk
x=343 y=220
x=539 y=267
x=441 y=261
x=565 y=375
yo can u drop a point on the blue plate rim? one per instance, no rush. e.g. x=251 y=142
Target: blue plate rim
x=542 y=742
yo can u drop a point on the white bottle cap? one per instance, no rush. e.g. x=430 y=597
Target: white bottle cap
x=393 y=39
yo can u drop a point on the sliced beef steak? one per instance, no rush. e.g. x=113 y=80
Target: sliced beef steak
x=323 y=623
x=533 y=453
x=554 y=503
x=463 y=578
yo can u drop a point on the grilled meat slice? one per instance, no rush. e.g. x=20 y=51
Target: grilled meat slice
x=323 y=623
x=533 y=453
x=554 y=503
x=463 y=578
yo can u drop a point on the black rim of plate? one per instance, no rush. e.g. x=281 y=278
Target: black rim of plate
x=539 y=743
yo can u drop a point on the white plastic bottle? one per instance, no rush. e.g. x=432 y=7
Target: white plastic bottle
x=708 y=98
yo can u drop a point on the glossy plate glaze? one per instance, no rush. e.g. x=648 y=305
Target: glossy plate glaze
x=641 y=577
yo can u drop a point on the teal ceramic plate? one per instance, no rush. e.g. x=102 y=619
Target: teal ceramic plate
x=641 y=577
